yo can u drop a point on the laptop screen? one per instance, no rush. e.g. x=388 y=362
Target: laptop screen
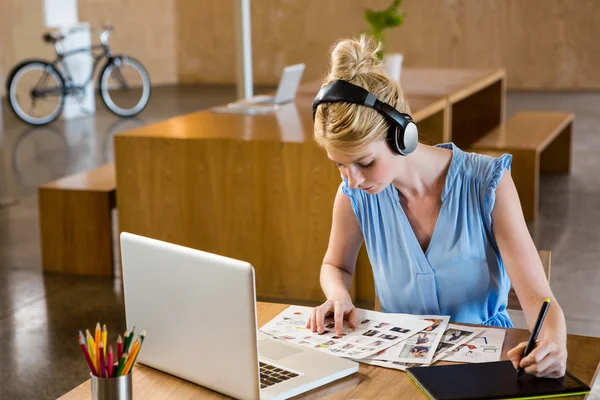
x=288 y=84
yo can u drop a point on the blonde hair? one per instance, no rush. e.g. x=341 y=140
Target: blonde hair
x=349 y=127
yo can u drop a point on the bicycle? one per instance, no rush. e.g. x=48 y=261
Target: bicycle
x=47 y=84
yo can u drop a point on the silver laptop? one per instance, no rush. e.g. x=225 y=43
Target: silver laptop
x=199 y=310
x=264 y=104
x=288 y=86
x=286 y=90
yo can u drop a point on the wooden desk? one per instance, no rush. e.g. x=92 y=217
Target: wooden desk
x=476 y=98
x=369 y=383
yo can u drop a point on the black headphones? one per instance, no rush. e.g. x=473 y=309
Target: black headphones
x=402 y=136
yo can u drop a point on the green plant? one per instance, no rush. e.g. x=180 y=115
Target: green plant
x=381 y=20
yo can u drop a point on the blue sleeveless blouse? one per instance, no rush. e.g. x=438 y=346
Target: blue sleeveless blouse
x=461 y=273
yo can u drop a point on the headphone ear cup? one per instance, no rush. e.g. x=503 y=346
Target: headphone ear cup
x=395 y=138
x=392 y=137
x=409 y=139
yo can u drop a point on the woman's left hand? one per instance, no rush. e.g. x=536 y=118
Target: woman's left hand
x=548 y=359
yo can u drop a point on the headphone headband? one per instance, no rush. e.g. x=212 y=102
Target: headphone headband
x=402 y=135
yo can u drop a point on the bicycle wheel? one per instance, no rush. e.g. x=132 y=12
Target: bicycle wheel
x=35 y=91
x=124 y=86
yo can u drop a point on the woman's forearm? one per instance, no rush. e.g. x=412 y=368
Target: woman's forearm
x=335 y=281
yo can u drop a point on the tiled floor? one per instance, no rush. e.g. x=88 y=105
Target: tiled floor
x=40 y=314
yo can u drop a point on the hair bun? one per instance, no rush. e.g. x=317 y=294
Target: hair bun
x=353 y=57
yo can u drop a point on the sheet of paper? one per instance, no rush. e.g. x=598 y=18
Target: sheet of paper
x=485 y=347
x=452 y=338
x=419 y=348
x=375 y=331
x=394 y=364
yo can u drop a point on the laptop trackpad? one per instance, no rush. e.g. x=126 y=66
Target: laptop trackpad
x=275 y=350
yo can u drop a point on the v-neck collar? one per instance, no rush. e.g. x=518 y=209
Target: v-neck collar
x=447 y=184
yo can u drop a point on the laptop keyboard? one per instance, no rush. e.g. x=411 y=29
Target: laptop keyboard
x=271 y=375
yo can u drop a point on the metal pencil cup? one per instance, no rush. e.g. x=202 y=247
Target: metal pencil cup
x=120 y=388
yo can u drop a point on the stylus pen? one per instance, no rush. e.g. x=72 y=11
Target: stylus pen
x=534 y=334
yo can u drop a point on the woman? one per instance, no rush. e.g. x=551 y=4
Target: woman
x=443 y=227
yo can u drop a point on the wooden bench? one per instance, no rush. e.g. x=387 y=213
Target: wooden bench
x=539 y=142
x=76 y=222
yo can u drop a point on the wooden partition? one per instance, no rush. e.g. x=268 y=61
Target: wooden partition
x=265 y=202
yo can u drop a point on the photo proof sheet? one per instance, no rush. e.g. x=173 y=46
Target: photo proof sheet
x=419 y=348
x=453 y=337
x=485 y=347
x=374 y=332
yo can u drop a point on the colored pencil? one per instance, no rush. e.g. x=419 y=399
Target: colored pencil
x=104 y=338
x=141 y=339
x=102 y=365
x=121 y=365
x=110 y=361
x=137 y=350
x=125 y=340
x=97 y=340
x=97 y=334
x=130 y=341
x=86 y=355
x=85 y=343
x=119 y=347
x=129 y=362
x=91 y=348
x=90 y=338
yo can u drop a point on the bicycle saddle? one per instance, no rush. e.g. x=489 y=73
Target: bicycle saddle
x=53 y=37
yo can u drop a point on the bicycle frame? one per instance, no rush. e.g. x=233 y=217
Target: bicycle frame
x=64 y=69
x=106 y=53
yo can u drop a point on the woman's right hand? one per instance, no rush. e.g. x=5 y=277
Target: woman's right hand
x=342 y=308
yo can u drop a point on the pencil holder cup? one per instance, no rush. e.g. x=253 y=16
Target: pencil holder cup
x=120 y=388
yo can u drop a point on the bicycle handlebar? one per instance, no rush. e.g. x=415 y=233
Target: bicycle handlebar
x=105 y=31
x=57 y=36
